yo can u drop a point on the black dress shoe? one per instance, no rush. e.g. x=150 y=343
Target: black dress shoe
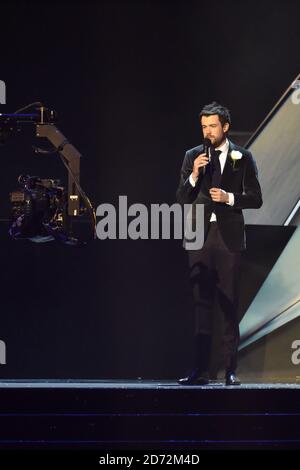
x=232 y=379
x=195 y=378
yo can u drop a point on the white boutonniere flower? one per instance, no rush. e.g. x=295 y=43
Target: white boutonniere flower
x=235 y=155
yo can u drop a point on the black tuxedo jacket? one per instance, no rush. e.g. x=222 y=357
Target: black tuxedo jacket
x=239 y=178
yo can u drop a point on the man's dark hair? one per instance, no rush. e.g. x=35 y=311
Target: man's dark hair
x=215 y=108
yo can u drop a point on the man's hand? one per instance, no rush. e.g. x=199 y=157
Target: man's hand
x=218 y=195
x=199 y=162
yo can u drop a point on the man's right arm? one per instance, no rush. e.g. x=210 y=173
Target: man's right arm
x=191 y=172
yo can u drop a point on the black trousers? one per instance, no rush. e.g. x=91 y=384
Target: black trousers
x=214 y=271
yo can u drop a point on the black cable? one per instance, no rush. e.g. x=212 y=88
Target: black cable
x=37 y=103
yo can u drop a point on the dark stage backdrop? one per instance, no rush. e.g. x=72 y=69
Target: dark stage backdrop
x=127 y=80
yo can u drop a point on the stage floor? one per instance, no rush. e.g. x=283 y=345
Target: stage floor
x=147 y=414
x=138 y=384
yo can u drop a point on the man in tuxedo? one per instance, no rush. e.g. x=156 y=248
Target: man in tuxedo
x=224 y=179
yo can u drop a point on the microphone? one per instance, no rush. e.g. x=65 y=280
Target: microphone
x=207 y=144
x=206 y=149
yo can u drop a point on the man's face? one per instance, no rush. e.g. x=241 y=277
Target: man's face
x=213 y=130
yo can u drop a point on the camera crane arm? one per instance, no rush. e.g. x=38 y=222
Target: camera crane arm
x=44 y=120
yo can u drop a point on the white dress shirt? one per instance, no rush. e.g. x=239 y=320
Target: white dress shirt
x=222 y=157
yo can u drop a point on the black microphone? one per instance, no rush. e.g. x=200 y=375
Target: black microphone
x=206 y=145
x=206 y=149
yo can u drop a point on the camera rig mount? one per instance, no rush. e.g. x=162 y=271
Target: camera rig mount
x=42 y=209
